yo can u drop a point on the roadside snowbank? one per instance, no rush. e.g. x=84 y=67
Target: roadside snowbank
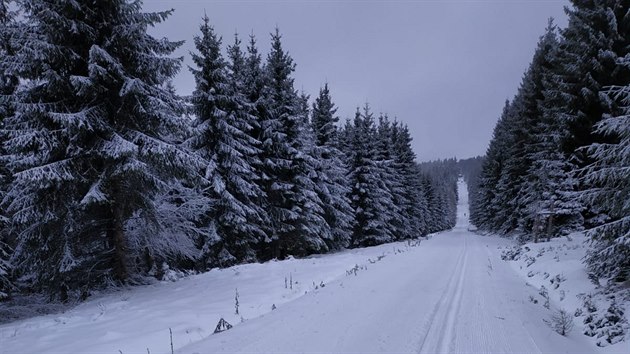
x=559 y=280
x=138 y=319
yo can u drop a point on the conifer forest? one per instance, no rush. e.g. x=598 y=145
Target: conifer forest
x=116 y=184
x=110 y=177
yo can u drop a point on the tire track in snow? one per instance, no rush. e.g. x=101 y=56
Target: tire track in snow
x=440 y=327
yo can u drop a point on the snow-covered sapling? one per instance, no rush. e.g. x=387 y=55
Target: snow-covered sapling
x=561 y=322
x=545 y=294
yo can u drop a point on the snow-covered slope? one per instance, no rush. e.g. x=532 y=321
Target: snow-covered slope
x=556 y=268
x=451 y=293
x=133 y=320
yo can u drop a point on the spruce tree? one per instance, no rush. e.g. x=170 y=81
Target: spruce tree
x=332 y=185
x=412 y=204
x=369 y=196
x=92 y=140
x=596 y=36
x=550 y=189
x=490 y=208
x=8 y=83
x=223 y=137
x=390 y=180
x=609 y=179
x=594 y=72
x=295 y=208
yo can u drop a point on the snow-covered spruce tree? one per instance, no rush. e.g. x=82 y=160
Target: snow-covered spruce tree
x=368 y=196
x=332 y=183
x=439 y=181
x=89 y=143
x=608 y=177
x=295 y=209
x=533 y=178
x=550 y=186
x=223 y=136
x=523 y=116
x=485 y=213
x=390 y=180
x=344 y=143
x=526 y=176
x=8 y=83
x=412 y=204
x=594 y=41
x=471 y=172
x=596 y=36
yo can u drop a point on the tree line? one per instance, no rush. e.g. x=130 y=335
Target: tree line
x=559 y=157
x=109 y=177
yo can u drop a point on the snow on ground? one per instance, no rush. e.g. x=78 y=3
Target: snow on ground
x=133 y=320
x=556 y=267
x=452 y=293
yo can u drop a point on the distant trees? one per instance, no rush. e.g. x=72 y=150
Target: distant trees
x=107 y=176
x=558 y=159
x=393 y=197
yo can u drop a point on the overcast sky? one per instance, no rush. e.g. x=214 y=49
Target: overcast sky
x=443 y=67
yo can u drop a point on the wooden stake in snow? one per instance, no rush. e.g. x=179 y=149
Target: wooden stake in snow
x=171 y=332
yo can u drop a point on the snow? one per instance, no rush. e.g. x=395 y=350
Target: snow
x=450 y=293
x=557 y=266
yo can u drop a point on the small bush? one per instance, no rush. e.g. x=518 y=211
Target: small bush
x=561 y=322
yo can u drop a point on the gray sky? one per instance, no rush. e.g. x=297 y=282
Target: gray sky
x=443 y=67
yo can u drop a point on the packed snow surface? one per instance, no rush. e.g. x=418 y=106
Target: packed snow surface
x=450 y=293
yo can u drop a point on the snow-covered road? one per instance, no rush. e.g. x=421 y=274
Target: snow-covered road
x=451 y=294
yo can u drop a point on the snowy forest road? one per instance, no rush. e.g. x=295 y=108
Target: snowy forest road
x=451 y=294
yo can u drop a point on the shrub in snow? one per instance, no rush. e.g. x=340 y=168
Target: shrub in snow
x=545 y=294
x=512 y=254
x=588 y=304
x=559 y=278
x=561 y=322
x=610 y=327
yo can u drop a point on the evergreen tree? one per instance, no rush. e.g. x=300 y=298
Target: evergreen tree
x=596 y=36
x=331 y=181
x=390 y=180
x=8 y=82
x=471 y=172
x=551 y=185
x=92 y=140
x=295 y=208
x=440 y=188
x=223 y=137
x=609 y=178
x=490 y=208
x=369 y=196
x=412 y=204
